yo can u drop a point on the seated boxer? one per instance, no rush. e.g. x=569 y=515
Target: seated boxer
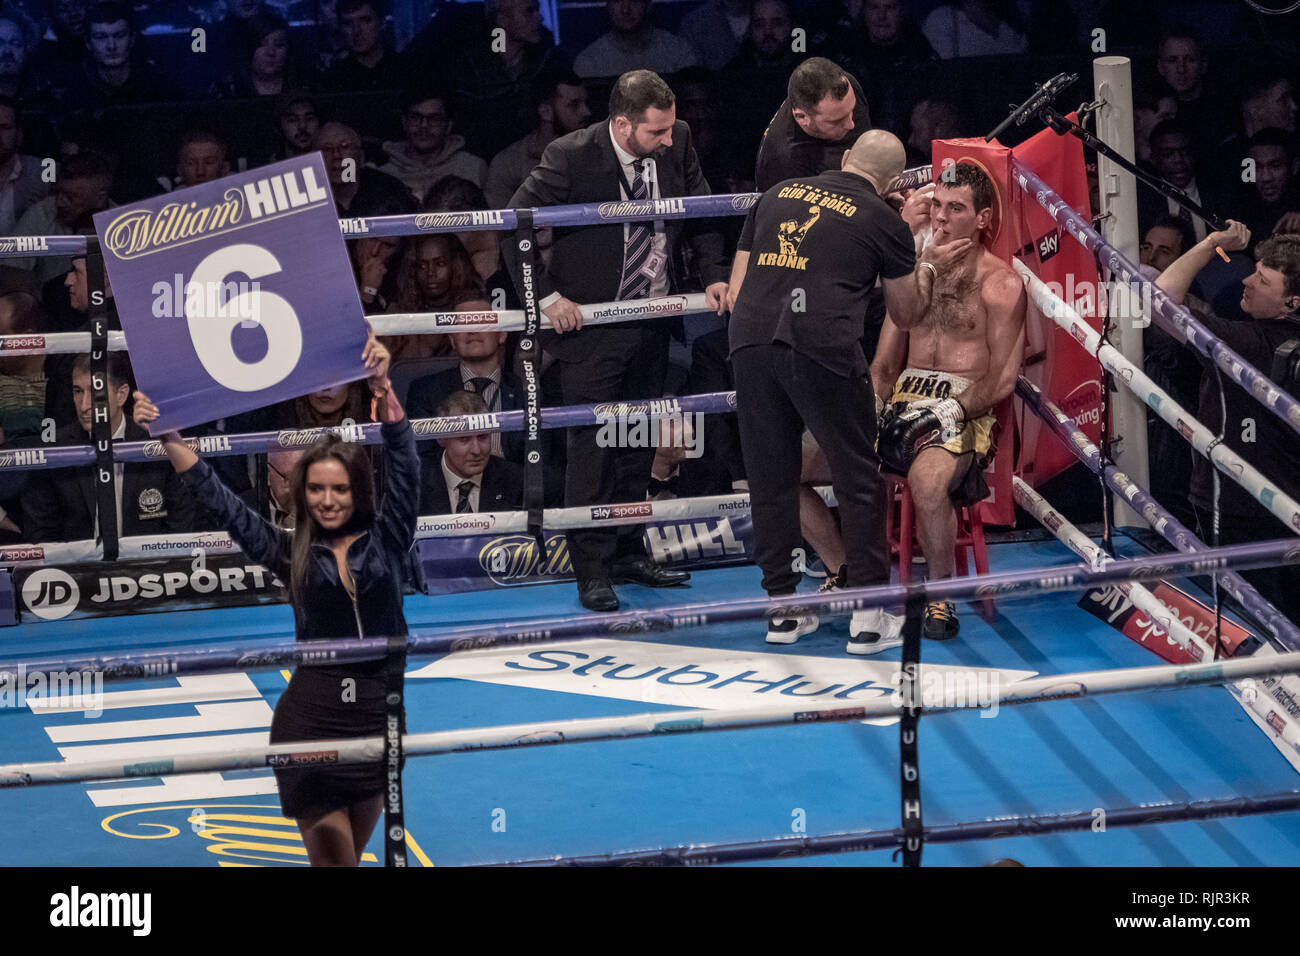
x=963 y=353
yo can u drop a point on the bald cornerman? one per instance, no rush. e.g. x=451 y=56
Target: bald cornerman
x=811 y=251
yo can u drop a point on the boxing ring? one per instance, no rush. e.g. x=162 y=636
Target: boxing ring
x=670 y=733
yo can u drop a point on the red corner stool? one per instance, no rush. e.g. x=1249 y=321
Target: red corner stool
x=901 y=533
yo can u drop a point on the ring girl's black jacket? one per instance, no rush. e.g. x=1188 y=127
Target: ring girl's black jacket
x=376 y=558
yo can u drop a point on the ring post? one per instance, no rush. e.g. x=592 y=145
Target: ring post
x=1117 y=190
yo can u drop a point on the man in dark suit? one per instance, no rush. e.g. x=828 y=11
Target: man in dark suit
x=642 y=152
x=482 y=371
x=150 y=496
x=466 y=477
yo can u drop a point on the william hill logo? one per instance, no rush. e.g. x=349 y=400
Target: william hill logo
x=142 y=232
x=35 y=456
x=445 y=220
x=24 y=244
x=643 y=509
x=640 y=207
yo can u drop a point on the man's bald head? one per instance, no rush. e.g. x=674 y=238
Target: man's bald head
x=878 y=155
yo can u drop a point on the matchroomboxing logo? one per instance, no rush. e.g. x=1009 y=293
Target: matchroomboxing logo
x=741 y=203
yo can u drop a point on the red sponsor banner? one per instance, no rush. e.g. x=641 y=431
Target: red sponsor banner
x=1067 y=375
x=1112 y=605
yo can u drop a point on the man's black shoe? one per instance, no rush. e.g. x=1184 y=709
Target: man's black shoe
x=597 y=595
x=646 y=572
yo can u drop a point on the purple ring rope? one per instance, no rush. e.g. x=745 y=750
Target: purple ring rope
x=561 y=416
x=865 y=840
x=180 y=660
x=491 y=220
x=1163 y=309
x=1165 y=524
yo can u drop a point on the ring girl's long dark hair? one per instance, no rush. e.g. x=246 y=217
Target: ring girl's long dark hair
x=355 y=460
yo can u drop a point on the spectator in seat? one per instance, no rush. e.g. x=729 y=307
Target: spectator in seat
x=18 y=77
x=63 y=47
x=560 y=108
x=431 y=149
x=932 y=119
x=150 y=497
x=717 y=28
x=297 y=124
x=634 y=43
x=21 y=183
x=482 y=370
x=22 y=377
x=200 y=159
x=368 y=63
x=265 y=68
x=1151 y=105
x=492 y=77
x=1172 y=157
x=466 y=477
x=975 y=28
x=81 y=189
x=359 y=190
x=114 y=74
x=883 y=43
x=434 y=274
x=375 y=264
x=1272 y=202
x=455 y=194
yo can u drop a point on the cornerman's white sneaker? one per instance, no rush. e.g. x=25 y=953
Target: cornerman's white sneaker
x=787 y=626
x=873 y=631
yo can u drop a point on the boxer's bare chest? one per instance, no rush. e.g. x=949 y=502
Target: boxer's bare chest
x=951 y=338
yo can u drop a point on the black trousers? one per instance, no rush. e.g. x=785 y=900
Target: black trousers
x=778 y=393
x=629 y=363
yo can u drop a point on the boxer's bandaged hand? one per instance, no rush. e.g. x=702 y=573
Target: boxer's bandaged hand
x=951 y=416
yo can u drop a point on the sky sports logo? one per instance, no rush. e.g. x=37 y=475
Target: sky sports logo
x=611 y=512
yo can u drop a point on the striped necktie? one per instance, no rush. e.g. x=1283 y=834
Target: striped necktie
x=640 y=237
x=462 y=502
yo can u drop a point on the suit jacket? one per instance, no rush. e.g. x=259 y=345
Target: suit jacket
x=154 y=501
x=427 y=391
x=502 y=487
x=587 y=261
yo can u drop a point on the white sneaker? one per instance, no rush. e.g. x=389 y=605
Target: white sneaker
x=786 y=627
x=874 y=630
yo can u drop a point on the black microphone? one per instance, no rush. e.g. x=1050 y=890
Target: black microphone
x=1041 y=97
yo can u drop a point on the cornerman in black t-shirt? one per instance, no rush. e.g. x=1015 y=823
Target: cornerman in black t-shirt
x=810 y=253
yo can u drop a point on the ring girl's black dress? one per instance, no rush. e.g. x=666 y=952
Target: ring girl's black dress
x=334 y=701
